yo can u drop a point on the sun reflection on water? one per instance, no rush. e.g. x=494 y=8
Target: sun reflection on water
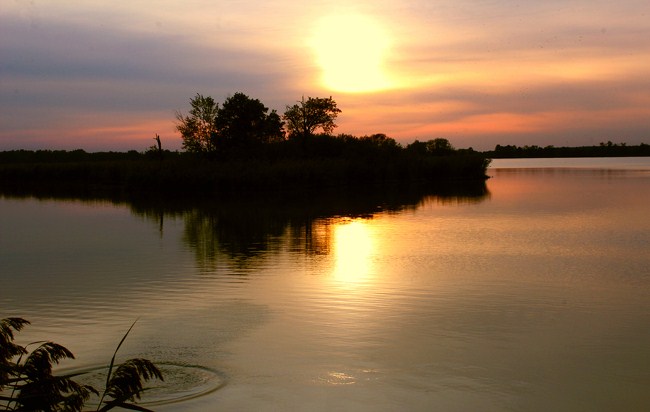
x=354 y=245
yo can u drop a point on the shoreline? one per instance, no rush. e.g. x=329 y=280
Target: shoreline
x=186 y=174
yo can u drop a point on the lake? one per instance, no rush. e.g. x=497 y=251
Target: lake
x=528 y=293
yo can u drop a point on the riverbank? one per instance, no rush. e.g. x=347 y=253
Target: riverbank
x=186 y=173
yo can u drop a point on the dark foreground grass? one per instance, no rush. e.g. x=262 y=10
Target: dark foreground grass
x=27 y=381
x=179 y=172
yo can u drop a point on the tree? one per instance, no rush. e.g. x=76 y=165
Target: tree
x=308 y=115
x=242 y=121
x=198 y=129
x=439 y=146
x=273 y=130
x=435 y=147
x=381 y=141
x=417 y=147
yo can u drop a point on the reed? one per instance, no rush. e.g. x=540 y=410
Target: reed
x=319 y=162
x=192 y=174
x=27 y=381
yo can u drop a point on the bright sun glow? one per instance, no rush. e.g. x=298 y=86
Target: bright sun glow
x=351 y=51
x=353 y=249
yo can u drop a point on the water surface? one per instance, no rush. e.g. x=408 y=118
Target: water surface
x=531 y=295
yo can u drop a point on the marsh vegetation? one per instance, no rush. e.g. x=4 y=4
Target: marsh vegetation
x=240 y=145
x=323 y=161
x=28 y=382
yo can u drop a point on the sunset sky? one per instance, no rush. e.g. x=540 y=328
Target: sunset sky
x=102 y=75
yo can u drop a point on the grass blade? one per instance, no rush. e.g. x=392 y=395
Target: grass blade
x=110 y=367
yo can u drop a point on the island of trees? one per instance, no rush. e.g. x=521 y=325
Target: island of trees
x=242 y=145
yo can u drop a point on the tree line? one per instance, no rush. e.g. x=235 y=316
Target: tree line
x=241 y=123
x=243 y=127
x=604 y=149
x=241 y=145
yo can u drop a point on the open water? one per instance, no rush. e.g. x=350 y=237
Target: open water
x=529 y=294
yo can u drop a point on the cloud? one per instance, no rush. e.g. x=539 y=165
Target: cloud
x=61 y=79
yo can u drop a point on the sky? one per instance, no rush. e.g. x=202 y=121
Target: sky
x=101 y=75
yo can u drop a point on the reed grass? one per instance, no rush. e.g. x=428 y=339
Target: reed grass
x=187 y=173
x=27 y=381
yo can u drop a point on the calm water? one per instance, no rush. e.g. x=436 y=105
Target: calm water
x=531 y=296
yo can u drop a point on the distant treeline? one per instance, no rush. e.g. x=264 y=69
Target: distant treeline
x=320 y=161
x=608 y=149
x=64 y=156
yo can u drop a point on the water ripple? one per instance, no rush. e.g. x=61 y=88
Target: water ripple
x=182 y=382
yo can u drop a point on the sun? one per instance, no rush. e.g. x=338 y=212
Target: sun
x=351 y=51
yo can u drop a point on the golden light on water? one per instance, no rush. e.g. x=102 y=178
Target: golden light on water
x=354 y=246
x=351 y=51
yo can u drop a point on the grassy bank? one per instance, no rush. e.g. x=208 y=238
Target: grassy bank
x=183 y=172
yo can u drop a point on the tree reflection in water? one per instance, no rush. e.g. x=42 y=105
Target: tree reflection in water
x=242 y=232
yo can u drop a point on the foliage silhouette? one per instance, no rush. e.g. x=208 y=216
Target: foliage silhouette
x=239 y=124
x=198 y=129
x=604 y=149
x=322 y=161
x=306 y=116
x=434 y=147
x=242 y=122
x=28 y=377
x=241 y=147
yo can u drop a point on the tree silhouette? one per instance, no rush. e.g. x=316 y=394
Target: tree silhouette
x=242 y=121
x=434 y=147
x=439 y=147
x=306 y=116
x=198 y=129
